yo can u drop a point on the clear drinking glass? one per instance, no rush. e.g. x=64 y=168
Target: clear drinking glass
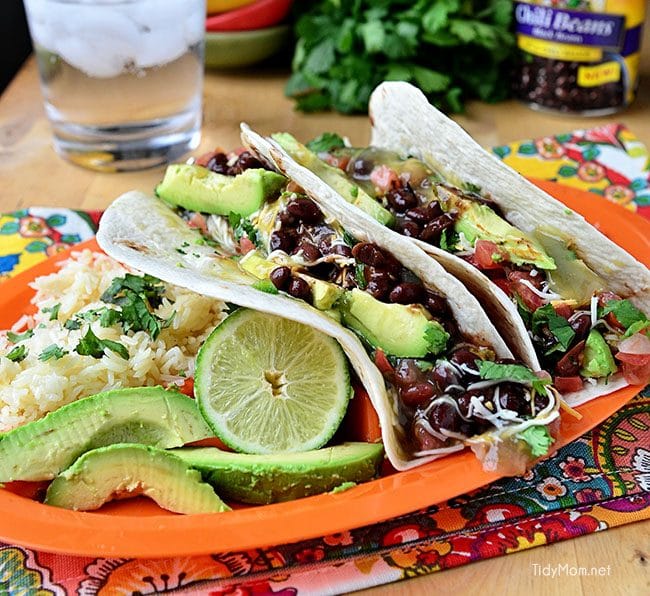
x=121 y=79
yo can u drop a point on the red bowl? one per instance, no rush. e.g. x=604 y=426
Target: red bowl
x=259 y=15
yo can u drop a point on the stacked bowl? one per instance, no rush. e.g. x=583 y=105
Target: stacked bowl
x=244 y=32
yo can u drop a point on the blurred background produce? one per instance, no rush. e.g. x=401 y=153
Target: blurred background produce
x=454 y=50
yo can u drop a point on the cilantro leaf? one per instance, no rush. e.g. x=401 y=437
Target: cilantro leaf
x=53 y=310
x=16 y=337
x=359 y=276
x=436 y=337
x=515 y=372
x=557 y=325
x=638 y=327
x=625 y=312
x=448 y=240
x=538 y=439
x=242 y=226
x=325 y=142
x=52 y=351
x=91 y=345
x=146 y=286
x=18 y=354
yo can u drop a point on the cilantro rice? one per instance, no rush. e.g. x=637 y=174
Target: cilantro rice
x=33 y=386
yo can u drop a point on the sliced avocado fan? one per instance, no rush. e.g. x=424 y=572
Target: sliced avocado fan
x=264 y=479
x=121 y=470
x=150 y=415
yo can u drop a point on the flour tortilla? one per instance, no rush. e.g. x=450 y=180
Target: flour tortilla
x=144 y=233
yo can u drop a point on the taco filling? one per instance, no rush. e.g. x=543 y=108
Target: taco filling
x=446 y=389
x=581 y=332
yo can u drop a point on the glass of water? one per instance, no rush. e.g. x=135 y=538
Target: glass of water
x=121 y=79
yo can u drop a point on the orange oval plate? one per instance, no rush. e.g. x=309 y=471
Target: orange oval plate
x=137 y=528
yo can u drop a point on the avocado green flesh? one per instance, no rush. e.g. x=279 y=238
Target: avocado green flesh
x=40 y=450
x=334 y=178
x=399 y=330
x=198 y=189
x=479 y=222
x=123 y=470
x=263 y=479
x=572 y=279
x=598 y=360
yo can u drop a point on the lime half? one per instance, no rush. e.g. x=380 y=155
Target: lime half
x=267 y=384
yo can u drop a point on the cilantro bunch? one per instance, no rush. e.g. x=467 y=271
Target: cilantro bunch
x=454 y=50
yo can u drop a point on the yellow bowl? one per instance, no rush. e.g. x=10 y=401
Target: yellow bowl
x=215 y=6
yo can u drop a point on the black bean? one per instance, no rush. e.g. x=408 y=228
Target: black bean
x=280 y=277
x=218 y=163
x=444 y=376
x=401 y=199
x=464 y=356
x=341 y=249
x=310 y=251
x=407 y=373
x=378 y=288
x=304 y=210
x=299 y=288
x=436 y=304
x=369 y=254
x=426 y=213
x=409 y=228
x=433 y=230
x=444 y=415
x=407 y=293
x=361 y=168
x=511 y=397
x=245 y=161
x=423 y=439
x=282 y=240
x=286 y=219
x=571 y=363
x=416 y=395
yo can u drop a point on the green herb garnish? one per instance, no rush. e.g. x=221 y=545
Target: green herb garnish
x=53 y=310
x=91 y=345
x=557 y=325
x=52 y=351
x=18 y=354
x=325 y=142
x=625 y=312
x=16 y=337
x=515 y=372
x=538 y=438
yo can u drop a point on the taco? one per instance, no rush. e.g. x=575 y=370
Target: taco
x=561 y=293
x=437 y=373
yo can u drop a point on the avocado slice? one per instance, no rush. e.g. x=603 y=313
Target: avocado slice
x=125 y=469
x=398 y=329
x=198 y=189
x=257 y=265
x=334 y=178
x=572 y=279
x=263 y=479
x=151 y=415
x=598 y=359
x=479 y=222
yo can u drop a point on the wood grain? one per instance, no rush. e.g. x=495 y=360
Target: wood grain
x=32 y=174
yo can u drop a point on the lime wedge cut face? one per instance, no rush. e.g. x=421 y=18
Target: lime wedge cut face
x=266 y=384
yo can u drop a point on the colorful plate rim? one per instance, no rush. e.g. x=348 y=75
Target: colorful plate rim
x=112 y=532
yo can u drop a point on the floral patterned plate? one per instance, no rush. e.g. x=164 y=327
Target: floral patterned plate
x=137 y=528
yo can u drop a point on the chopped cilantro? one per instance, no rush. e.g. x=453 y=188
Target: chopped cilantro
x=16 y=337
x=524 y=312
x=180 y=251
x=72 y=324
x=53 y=310
x=325 y=142
x=514 y=372
x=52 y=351
x=265 y=285
x=538 y=438
x=185 y=244
x=242 y=226
x=146 y=286
x=354 y=191
x=625 y=312
x=471 y=187
x=18 y=354
x=557 y=325
x=359 y=276
x=91 y=345
x=448 y=240
x=436 y=337
x=349 y=239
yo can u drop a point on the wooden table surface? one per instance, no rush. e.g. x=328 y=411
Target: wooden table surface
x=32 y=174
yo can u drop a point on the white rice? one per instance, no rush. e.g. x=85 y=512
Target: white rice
x=31 y=388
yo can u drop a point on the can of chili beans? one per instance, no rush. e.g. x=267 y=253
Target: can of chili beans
x=578 y=56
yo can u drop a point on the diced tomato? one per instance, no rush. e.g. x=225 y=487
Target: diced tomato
x=567 y=384
x=639 y=343
x=337 y=161
x=361 y=421
x=187 y=387
x=635 y=359
x=485 y=253
x=383 y=364
x=636 y=374
x=197 y=220
x=503 y=283
x=245 y=245
x=564 y=310
x=384 y=178
x=531 y=300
